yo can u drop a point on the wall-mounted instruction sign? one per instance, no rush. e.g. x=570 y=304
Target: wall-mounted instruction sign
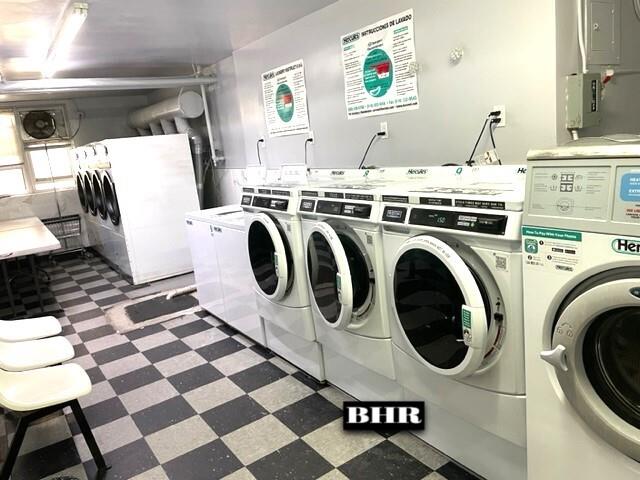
x=379 y=67
x=285 y=100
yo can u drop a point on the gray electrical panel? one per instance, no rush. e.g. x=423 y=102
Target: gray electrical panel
x=603 y=32
x=583 y=100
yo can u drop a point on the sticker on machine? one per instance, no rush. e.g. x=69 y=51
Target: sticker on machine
x=379 y=67
x=551 y=249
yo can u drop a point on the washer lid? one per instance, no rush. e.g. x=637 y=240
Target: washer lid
x=269 y=257
x=440 y=307
x=596 y=358
x=329 y=276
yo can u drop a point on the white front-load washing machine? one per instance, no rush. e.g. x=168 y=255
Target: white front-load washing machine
x=343 y=249
x=274 y=245
x=454 y=285
x=581 y=251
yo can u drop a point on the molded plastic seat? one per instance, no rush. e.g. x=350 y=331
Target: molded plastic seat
x=44 y=387
x=20 y=356
x=29 y=329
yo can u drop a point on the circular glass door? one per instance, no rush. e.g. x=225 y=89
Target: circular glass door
x=99 y=196
x=441 y=306
x=88 y=194
x=339 y=275
x=81 y=195
x=596 y=355
x=110 y=199
x=270 y=256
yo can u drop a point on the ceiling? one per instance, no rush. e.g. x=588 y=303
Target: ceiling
x=139 y=37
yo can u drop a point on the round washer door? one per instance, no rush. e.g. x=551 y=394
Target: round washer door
x=81 y=195
x=596 y=355
x=110 y=199
x=329 y=276
x=269 y=257
x=89 y=194
x=98 y=195
x=440 y=307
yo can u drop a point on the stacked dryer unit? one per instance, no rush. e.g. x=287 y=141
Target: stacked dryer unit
x=581 y=249
x=454 y=286
x=135 y=192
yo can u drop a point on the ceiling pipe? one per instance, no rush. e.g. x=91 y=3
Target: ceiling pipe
x=71 y=85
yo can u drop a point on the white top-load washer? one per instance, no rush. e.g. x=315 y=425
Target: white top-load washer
x=581 y=251
x=276 y=256
x=221 y=268
x=454 y=285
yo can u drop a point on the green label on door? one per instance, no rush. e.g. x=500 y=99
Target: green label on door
x=466 y=318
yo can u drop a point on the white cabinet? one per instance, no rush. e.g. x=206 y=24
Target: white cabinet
x=206 y=270
x=221 y=267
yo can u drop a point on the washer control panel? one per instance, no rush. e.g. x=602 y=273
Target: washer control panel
x=571 y=191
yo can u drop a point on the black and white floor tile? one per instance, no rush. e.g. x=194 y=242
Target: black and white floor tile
x=192 y=399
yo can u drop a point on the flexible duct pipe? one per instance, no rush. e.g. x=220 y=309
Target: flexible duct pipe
x=197 y=150
x=71 y=85
x=168 y=127
x=186 y=105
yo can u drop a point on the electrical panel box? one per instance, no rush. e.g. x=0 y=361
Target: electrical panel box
x=603 y=32
x=583 y=100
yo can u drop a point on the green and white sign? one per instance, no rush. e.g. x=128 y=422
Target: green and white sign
x=285 y=100
x=379 y=67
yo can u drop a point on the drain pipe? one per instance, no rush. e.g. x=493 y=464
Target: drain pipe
x=197 y=148
x=180 y=291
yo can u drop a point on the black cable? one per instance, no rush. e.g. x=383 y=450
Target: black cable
x=306 y=142
x=261 y=140
x=80 y=117
x=364 y=157
x=493 y=141
x=484 y=126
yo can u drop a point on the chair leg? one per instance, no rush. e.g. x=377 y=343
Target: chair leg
x=87 y=434
x=16 y=443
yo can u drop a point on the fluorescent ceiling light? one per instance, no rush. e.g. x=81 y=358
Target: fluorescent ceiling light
x=71 y=23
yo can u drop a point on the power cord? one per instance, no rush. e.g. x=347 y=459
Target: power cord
x=366 y=152
x=306 y=142
x=261 y=140
x=494 y=118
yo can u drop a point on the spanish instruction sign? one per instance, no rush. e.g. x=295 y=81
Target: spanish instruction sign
x=285 y=100
x=379 y=67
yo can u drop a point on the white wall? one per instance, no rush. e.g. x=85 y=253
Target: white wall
x=509 y=59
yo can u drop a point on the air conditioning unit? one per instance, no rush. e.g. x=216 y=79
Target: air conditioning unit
x=45 y=124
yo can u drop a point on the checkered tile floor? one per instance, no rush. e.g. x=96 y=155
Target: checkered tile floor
x=192 y=399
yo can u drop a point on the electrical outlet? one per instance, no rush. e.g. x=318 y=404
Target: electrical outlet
x=262 y=142
x=310 y=136
x=384 y=128
x=503 y=115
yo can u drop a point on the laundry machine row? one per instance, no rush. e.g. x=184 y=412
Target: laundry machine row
x=138 y=230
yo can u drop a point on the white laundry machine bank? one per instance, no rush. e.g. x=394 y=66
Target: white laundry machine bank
x=581 y=250
x=221 y=268
x=277 y=259
x=454 y=286
x=139 y=229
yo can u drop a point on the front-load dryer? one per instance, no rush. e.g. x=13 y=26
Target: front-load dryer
x=581 y=251
x=454 y=285
x=274 y=246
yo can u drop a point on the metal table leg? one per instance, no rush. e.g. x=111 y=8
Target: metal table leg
x=36 y=280
x=7 y=285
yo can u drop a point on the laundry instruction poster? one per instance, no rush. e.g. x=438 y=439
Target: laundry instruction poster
x=379 y=67
x=285 y=100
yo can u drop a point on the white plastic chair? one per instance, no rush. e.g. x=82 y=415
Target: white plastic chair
x=38 y=393
x=32 y=354
x=29 y=329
